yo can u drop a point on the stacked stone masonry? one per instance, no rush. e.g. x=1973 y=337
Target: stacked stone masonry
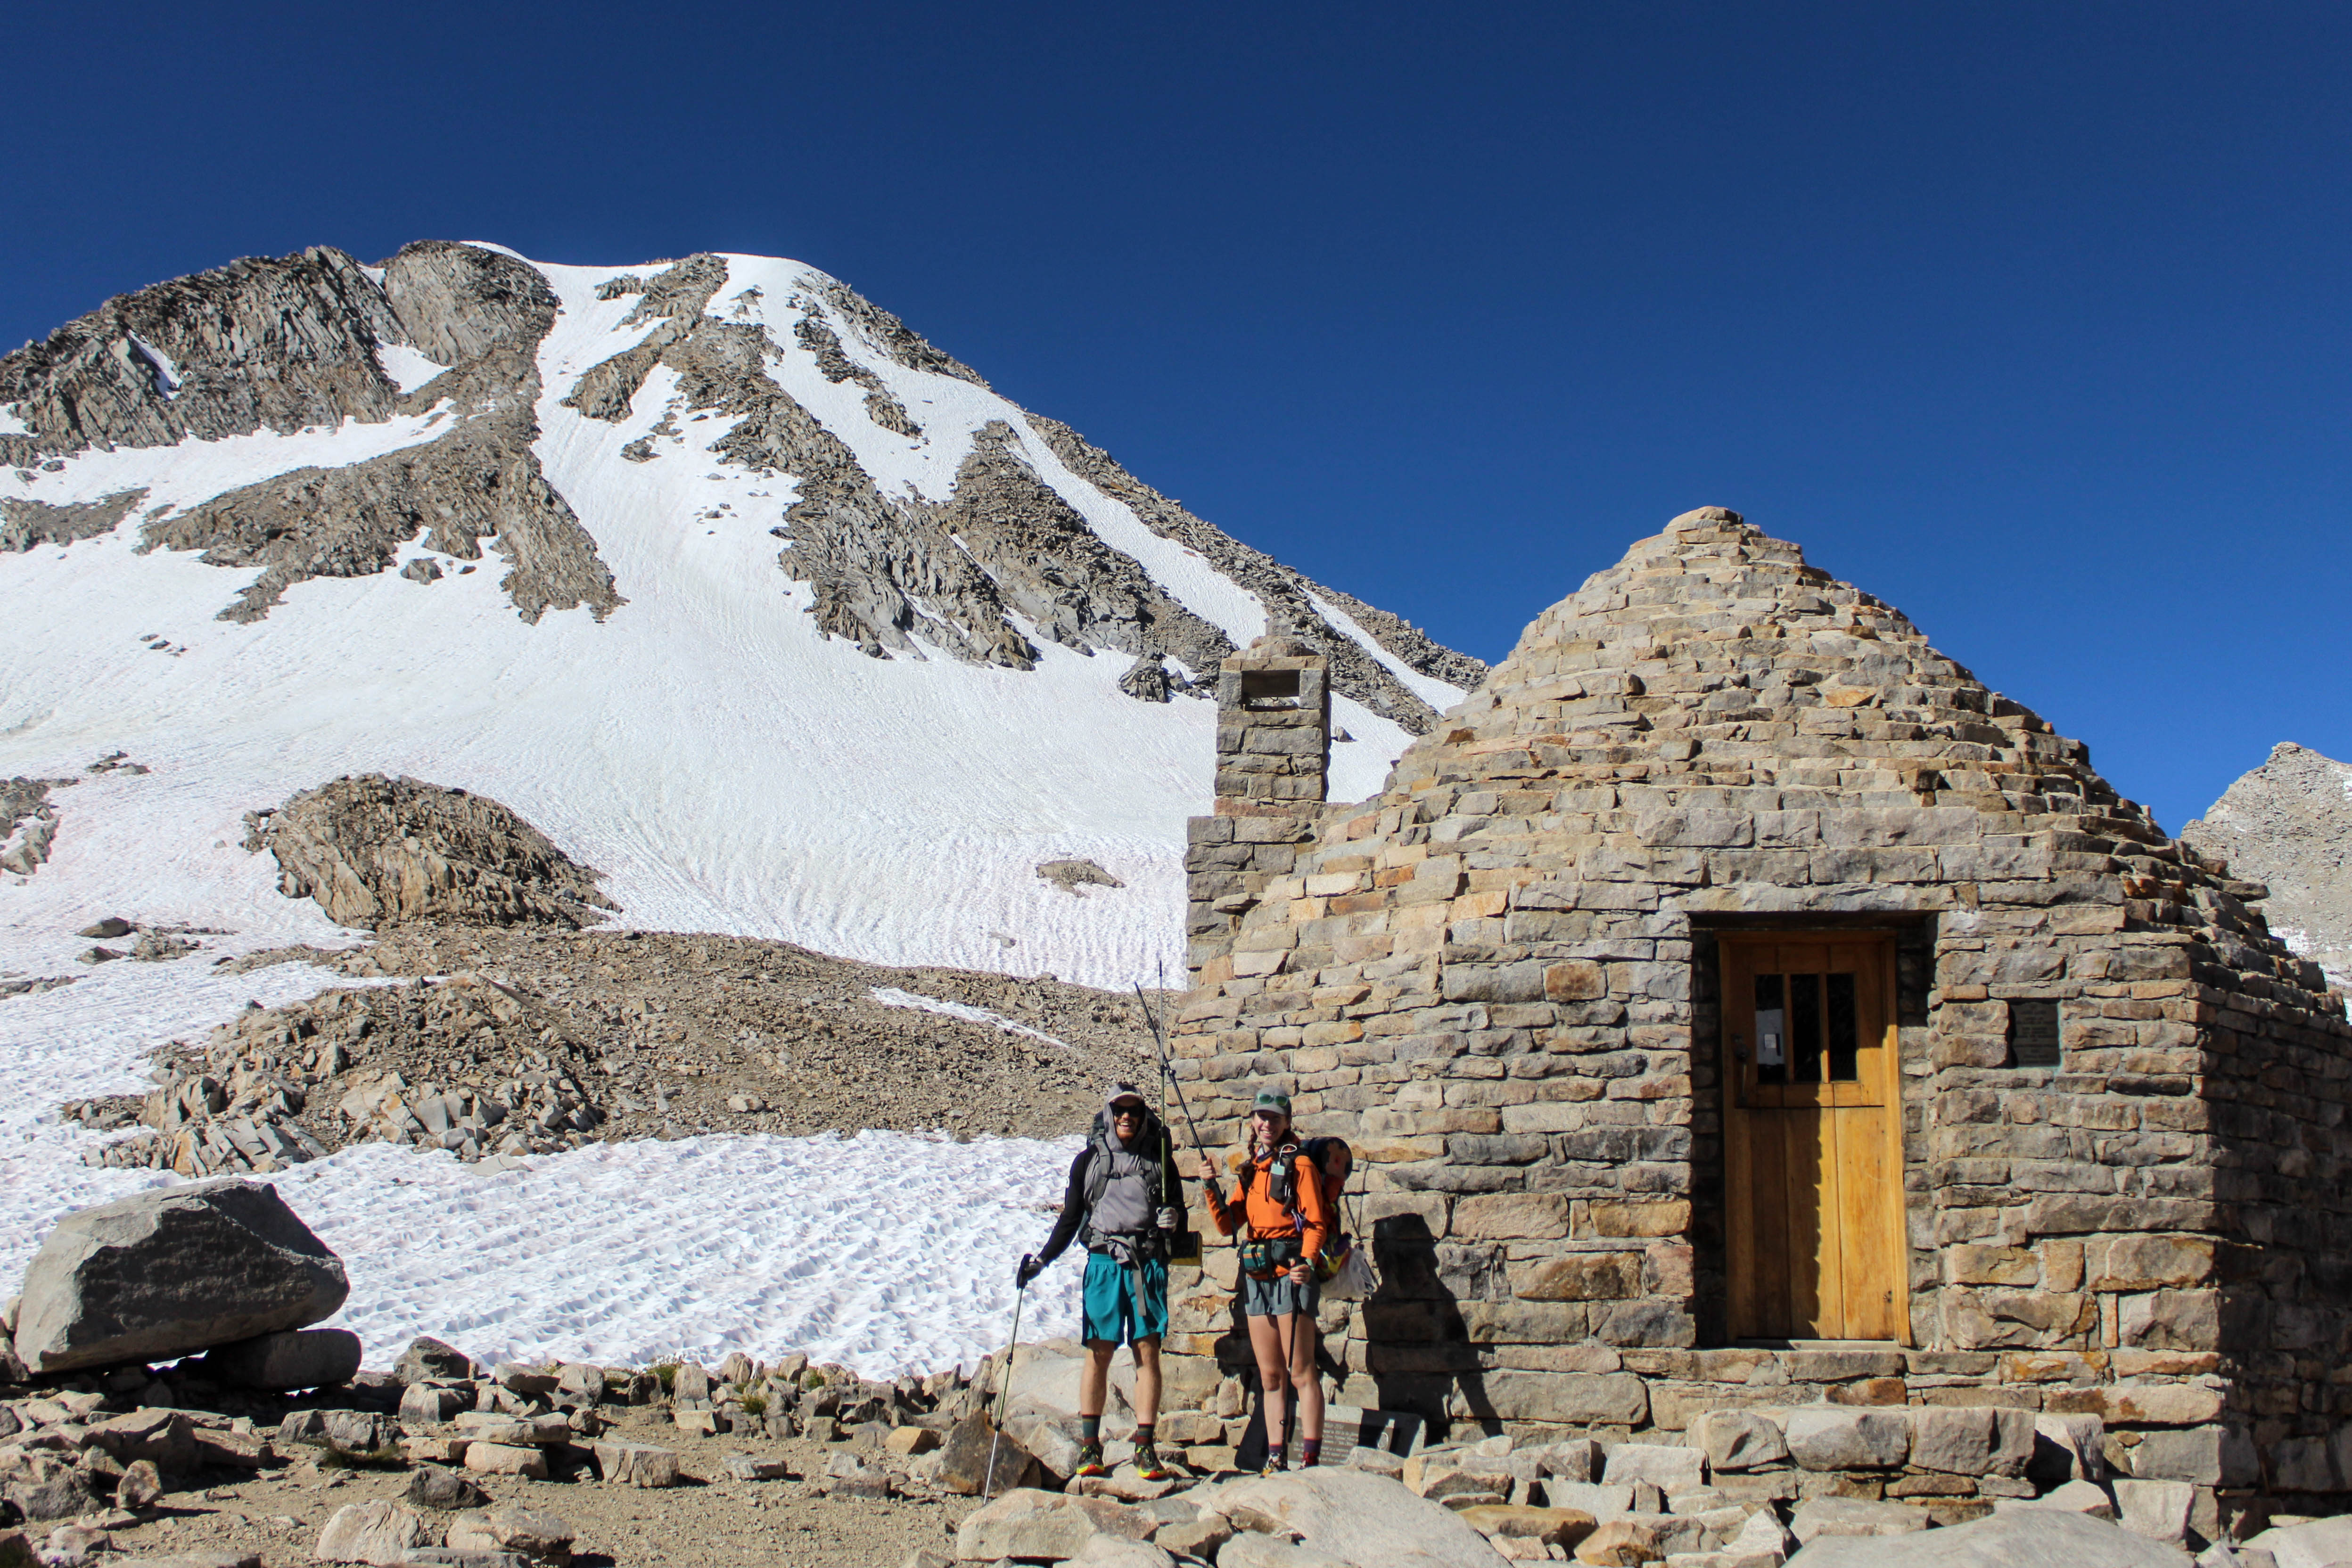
x=1498 y=979
x=1274 y=763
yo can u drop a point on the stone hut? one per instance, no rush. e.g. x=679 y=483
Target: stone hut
x=1734 y=1004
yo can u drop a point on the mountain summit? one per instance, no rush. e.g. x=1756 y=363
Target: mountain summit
x=718 y=573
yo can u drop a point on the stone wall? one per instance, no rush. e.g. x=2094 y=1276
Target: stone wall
x=1498 y=980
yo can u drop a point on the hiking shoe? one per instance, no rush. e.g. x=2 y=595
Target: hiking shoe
x=1090 y=1462
x=1275 y=1464
x=1147 y=1465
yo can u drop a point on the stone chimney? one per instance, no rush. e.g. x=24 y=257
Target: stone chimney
x=1273 y=764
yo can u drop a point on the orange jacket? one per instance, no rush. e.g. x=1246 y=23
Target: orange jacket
x=1269 y=1220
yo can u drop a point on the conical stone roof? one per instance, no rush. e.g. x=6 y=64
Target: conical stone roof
x=1494 y=977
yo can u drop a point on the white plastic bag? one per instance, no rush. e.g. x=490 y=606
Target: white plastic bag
x=1355 y=1281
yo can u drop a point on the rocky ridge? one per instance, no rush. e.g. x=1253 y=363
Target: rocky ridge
x=299 y=342
x=504 y=1042
x=2287 y=825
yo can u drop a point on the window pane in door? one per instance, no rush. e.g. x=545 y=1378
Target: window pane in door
x=1804 y=1028
x=1844 y=1040
x=1771 y=1032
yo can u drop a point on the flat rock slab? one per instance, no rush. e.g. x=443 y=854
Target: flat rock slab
x=1356 y=1517
x=506 y=1460
x=636 y=1465
x=170 y=1271
x=1854 y=1516
x=2317 y=1544
x=530 y=1532
x=1032 y=1524
x=1124 y=1488
x=2026 y=1538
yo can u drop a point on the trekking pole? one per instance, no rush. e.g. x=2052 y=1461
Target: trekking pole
x=1003 y=1396
x=1168 y=1071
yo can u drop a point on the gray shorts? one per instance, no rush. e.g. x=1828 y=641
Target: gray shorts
x=1272 y=1298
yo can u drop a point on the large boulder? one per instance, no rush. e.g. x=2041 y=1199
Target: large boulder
x=2023 y=1537
x=1363 y=1520
x=170 y=1271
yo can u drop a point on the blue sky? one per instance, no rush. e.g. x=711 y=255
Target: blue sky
x=2028 y=318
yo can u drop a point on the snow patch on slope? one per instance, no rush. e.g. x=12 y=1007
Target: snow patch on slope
x=194 y=471
x=892 y=997
x=406 y=368
x=618 y=1252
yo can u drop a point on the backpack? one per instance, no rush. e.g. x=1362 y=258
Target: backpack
x=1342 y=1267
x=1099 y=1147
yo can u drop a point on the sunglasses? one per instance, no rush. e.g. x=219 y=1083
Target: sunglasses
x=1126 y=1113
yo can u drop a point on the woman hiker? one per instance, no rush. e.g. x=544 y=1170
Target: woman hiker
x=1281 y=1202
x=1124 y=1192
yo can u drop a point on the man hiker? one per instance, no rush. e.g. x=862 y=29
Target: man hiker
x=1126 y=1196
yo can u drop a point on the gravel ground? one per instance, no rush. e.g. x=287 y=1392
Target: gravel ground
x=702 y=1523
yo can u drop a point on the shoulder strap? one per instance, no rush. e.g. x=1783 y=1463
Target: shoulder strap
x=1098 y=1174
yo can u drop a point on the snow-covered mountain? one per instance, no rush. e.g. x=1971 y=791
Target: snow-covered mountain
x=2288 y=825
x=734 y=586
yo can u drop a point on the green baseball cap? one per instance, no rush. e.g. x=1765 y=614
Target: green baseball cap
x=1268 y=1099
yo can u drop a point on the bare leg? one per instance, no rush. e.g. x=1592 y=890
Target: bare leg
x=1303 y=1378
x=1265 y=1341
x=1094 y=1377
x=1147 y=1381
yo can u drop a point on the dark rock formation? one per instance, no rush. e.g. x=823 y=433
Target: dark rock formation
x=373 y=851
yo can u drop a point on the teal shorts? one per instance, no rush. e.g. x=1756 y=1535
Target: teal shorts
x=1113 y=1314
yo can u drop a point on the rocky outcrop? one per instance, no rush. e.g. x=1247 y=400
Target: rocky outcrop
x=24 y=524
x=484 y=312
x=373 y=851
x=2287 y=825
x=259 y=344
x=165 y=1272
x=1289 y=597
x=892 y=576
x=28 y=823
x=893 y=337
x=821 y=341
x=292 y=343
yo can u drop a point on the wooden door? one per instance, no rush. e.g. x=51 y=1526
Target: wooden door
x=1814 y=1137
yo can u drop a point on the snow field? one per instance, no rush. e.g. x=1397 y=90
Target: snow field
x=886 y=1252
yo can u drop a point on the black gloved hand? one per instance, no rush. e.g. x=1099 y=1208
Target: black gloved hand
x=1026 y=1270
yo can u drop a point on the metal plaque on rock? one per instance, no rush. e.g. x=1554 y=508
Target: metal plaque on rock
x=2034 y=1034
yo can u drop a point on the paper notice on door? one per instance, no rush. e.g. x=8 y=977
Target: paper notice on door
x=1768 y=1052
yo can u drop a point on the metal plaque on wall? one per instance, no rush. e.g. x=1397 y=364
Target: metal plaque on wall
x=2034 y=1034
